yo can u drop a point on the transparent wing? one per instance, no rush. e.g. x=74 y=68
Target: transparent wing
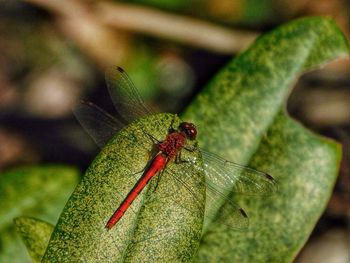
x=218 y=205
x=222 y=179
x=125 y=96
x=231 y=177
x=99 y=124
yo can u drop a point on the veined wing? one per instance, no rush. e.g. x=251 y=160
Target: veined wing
x=99 y=124
x=222 y=179
x=218 y=206
x=232 y=177
x=125 y=96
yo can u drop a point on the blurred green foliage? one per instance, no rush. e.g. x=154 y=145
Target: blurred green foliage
x=38 y=191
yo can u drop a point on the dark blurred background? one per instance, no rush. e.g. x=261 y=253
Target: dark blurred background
x=53 y=53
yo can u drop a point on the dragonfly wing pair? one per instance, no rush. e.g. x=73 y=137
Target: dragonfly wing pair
x=222 y=177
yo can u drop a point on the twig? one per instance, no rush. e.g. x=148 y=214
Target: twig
x=182 y=29
x=88 y=26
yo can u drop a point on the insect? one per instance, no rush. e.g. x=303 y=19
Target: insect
x=219 y=173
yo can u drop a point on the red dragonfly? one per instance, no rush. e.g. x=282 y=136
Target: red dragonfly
x=220 y=173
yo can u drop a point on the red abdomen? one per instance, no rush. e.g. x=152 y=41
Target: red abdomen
x=158 y=164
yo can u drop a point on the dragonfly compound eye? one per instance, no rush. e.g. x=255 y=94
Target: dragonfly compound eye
x=189 y=129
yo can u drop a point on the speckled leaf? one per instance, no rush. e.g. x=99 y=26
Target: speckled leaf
x=240 y=117
x=163 y=223
x=39 y=191
x=35 y=234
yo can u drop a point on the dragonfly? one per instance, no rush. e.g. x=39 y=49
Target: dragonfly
x=219 y=172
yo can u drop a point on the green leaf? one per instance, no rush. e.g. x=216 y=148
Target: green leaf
x=163 y=223
x=12 y=248
x=240 y=117
x=38 y=191
x=35 y=235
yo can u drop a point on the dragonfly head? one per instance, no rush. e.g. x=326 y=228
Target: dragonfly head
x=189 y=130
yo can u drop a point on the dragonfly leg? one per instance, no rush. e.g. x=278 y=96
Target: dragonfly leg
x=152 y=138
x=159 y=175
x=139 y=172
x=190 y=148
x=179 y=159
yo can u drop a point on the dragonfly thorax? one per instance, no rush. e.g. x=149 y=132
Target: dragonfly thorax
x=173 y=143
